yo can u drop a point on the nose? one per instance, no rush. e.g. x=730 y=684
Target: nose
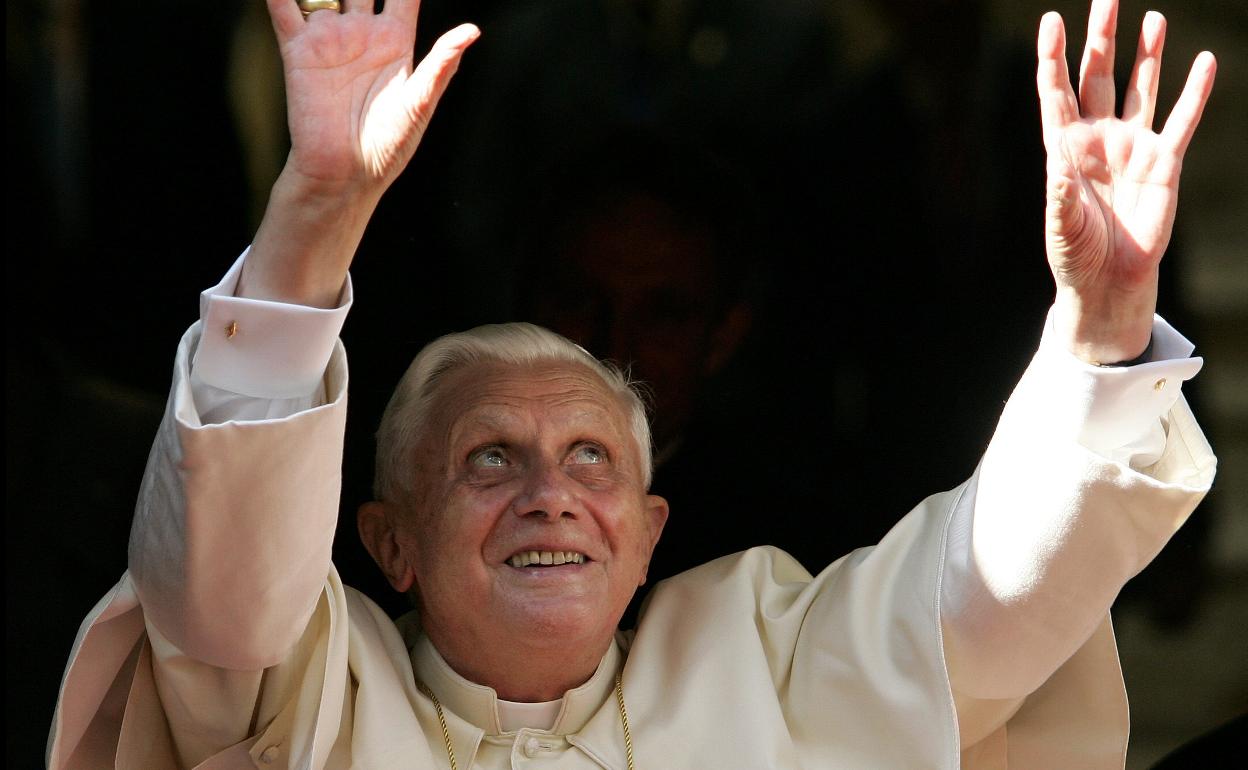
x=548 y=493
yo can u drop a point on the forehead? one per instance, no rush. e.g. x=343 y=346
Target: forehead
x=499 y=395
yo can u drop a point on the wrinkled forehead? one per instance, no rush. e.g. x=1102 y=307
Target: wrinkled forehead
x=502 y=395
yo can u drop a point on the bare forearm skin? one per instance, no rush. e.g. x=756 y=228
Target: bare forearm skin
x=306 y=241
x=1105 y=330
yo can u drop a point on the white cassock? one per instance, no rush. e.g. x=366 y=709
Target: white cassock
x=231 y=643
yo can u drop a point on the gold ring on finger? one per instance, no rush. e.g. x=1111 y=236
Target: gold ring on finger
x=310 y=7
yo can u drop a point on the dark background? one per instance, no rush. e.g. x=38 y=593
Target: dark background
x=887 y=158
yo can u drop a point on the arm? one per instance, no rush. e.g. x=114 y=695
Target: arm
x=357 y=110
x=1032 y=575
x=229 y=556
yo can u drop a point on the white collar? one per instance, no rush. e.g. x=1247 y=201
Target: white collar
x=480 y=704
x=513 y=716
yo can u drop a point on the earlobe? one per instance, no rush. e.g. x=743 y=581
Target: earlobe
x=656 y=517
x=656 y=510
x=378 y=535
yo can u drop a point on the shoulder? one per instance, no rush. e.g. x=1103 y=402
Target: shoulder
x=760 y=562
x=769 y=581
x=369 y=624
x=730 y=586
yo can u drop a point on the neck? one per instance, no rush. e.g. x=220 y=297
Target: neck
x=522 y=670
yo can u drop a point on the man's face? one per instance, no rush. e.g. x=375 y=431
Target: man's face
x=520 y=461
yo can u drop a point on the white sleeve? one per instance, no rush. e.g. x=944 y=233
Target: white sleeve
x=1090 y=472
x=229 y=557
x=1118 y=412
x=261 y=360
x=230 y=544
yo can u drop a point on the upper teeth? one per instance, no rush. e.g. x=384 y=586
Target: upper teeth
x=525 y=558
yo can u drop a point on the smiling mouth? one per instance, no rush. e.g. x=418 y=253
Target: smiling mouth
x=546 y=558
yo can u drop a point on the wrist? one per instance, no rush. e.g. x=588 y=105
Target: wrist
x=324 y=195
x=1104 y=331
x=306 y=242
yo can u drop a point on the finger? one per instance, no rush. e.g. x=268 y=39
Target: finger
x=428 y=81
x=287 y=19
x=404 y=10
x=357 y=6
x=1140 y=102
x=1187 y=110
x=1058 y=107
x=1096 y=71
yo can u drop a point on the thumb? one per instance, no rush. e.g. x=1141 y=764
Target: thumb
x=1070 y=236
x=1063 y=212
x=1075 y=239
x=427 y=83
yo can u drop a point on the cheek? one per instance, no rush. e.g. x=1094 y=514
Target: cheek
x=445 y=556
x=630 y=535
x=462 y=521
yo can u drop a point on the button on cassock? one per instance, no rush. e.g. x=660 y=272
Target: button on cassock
x=534 y=746
x=531 y=748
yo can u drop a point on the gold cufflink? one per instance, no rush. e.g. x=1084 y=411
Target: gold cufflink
x=1159 y=384
x=231 y=329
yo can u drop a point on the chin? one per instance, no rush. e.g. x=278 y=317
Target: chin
x=560 y=622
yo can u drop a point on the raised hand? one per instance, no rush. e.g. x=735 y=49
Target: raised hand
x=1112 y=182
x=357 y=107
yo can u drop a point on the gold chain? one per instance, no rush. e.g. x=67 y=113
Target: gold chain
x=619 y=701
x=446 y=734
x=628 y=737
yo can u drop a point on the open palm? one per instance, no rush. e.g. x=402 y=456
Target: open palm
x=357 y=106
x=1113 y=182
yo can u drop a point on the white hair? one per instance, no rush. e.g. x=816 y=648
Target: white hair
x=517 y=344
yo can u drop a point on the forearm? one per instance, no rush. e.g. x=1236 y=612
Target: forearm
x=306 y=241
x=231 y=540
x=357 y=109
x=1070 y=502
x=1106 y=329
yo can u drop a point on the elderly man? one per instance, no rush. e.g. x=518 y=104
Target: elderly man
x=512 y=505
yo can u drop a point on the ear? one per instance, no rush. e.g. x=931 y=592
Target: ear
x=656 y=517
x=727 y=335
x=376 y=524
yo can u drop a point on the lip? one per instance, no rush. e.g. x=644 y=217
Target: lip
x=549 y=572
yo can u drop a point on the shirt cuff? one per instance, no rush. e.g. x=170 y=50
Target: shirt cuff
x=264 y=349
x=1118 y=412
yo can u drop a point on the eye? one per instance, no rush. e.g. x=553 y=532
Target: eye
x=588 y=454
x=488 y=457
